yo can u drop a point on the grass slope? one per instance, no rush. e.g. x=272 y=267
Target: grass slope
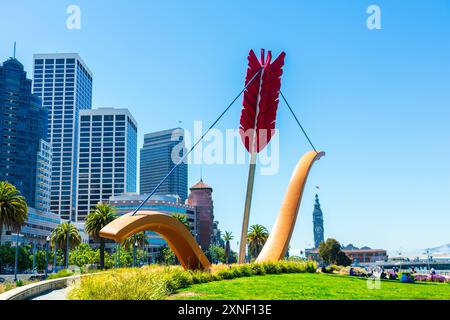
x=307 y=286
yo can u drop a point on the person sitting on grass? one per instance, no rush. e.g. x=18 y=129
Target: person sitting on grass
x=406 y=278
x=352 y=272
x=393 y=275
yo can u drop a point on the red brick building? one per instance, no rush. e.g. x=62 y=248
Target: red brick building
x=366 y=255
x=201 y=197
x=363 y=255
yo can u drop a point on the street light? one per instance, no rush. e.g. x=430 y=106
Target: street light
x=134 y=250
x=47 y=242
x=55 y=253
x=16 y=258
x=34 y=256
x=67 y=244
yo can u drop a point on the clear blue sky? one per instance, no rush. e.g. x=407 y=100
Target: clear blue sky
x=378 y=102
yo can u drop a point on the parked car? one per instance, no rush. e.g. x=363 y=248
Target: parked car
x=8 y=270
x=37 y=277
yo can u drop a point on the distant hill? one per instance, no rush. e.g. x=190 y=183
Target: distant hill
x=439 y=250
x=436 y=251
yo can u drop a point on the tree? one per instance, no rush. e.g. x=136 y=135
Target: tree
x=165 y=255
x=227 y=237
x=141 y=239
x=59 y=236
x=101 y=216
x=256 y=238
x=183 y=219
x=13 y=208
x=330 y=252
x=215 y=254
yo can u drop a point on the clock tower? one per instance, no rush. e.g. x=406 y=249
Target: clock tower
x=317 y=223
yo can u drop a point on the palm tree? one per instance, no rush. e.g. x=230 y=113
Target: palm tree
x=101 y=216
x=256 y=238
x=13 y=208
x=183 y=219
x=59 y=236
x=227 y=237
x=141 y=239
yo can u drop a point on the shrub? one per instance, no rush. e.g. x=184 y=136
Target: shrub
x=61 y=274
x=202 y=277
x=19 y=283
x=245 y=270
x=311 y=266
x=176 y=278
x=226 y=274
x=257 y=269
x=271 y=267
x=122 y=284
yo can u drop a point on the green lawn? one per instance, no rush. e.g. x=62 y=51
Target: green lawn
x=304 y=286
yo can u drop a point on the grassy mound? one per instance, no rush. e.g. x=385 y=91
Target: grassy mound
x=154 y=283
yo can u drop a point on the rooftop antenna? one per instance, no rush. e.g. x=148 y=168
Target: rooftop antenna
x=14 y=55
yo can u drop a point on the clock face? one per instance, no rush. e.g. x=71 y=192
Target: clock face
x=318 y=229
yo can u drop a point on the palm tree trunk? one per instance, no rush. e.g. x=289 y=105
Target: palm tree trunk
x=102 y=253
x=227 y=252
x=1 y=231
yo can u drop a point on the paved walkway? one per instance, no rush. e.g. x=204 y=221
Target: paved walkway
x=59 y=294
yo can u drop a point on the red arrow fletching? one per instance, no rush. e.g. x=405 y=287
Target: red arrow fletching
x=260 y=102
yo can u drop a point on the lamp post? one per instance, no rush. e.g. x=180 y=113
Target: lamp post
x=16 y=258
x=55 y=252
x=115 y=255
x=47 y=242
x=134 y=251
x=67 y=244
x=429 y=258
x=34 y=256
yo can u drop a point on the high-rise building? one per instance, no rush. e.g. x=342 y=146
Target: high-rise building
x=38 y=227
x=43 y=177
x=317 y=223
x=107 y=157
x=160 y=153
x=64 y=83
x=201 y=198
x=23 y=126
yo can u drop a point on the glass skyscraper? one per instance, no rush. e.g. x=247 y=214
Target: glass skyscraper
x=160 y=153
x=64 y=83
x=107 y=157
x=43 y=176
x=23 y=126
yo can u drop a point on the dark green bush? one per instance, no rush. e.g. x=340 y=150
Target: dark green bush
x=272 y=267
x=257 y=269
x=177 y=279
x=245 y=270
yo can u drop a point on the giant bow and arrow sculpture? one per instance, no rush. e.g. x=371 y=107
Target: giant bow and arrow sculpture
x=258 y=116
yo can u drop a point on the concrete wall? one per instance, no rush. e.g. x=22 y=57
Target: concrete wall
x=36 y=289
